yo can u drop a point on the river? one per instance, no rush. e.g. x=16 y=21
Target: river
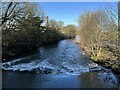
x=60 y=65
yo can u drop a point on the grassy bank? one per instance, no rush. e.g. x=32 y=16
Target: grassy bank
x=105 y=58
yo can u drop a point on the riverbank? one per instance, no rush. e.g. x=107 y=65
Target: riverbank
x=21 y=46
x=107 y=60
x=114 y=67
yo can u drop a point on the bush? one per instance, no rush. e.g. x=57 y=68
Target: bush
x=14 y=44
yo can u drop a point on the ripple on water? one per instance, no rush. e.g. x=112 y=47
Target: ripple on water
x=46 y=67
x=64 y=58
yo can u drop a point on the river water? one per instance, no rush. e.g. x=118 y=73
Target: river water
x=60 y=65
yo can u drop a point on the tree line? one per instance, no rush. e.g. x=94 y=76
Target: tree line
x=99 y=35
x=22 y=28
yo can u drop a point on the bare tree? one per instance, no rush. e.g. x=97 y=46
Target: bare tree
x=93 y=28
x=57 y=25
x=69 y=30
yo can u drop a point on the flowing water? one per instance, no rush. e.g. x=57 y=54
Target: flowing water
x=61 y=65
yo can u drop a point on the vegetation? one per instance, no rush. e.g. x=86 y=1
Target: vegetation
x=69 y=30
x=22 y=28
x=99 y=36
x=57 y=25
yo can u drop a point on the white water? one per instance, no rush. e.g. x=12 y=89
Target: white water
x=45 y=66
x=67 y=64
x=66 y=57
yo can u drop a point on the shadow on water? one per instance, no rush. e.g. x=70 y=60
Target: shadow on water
x=97 y=80
x=33 y=80
x=23 y=79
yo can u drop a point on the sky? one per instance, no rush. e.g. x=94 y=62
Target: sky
x=68 y=12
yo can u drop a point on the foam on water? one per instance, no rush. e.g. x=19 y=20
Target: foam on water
x=32 y=66
x=45 y=66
